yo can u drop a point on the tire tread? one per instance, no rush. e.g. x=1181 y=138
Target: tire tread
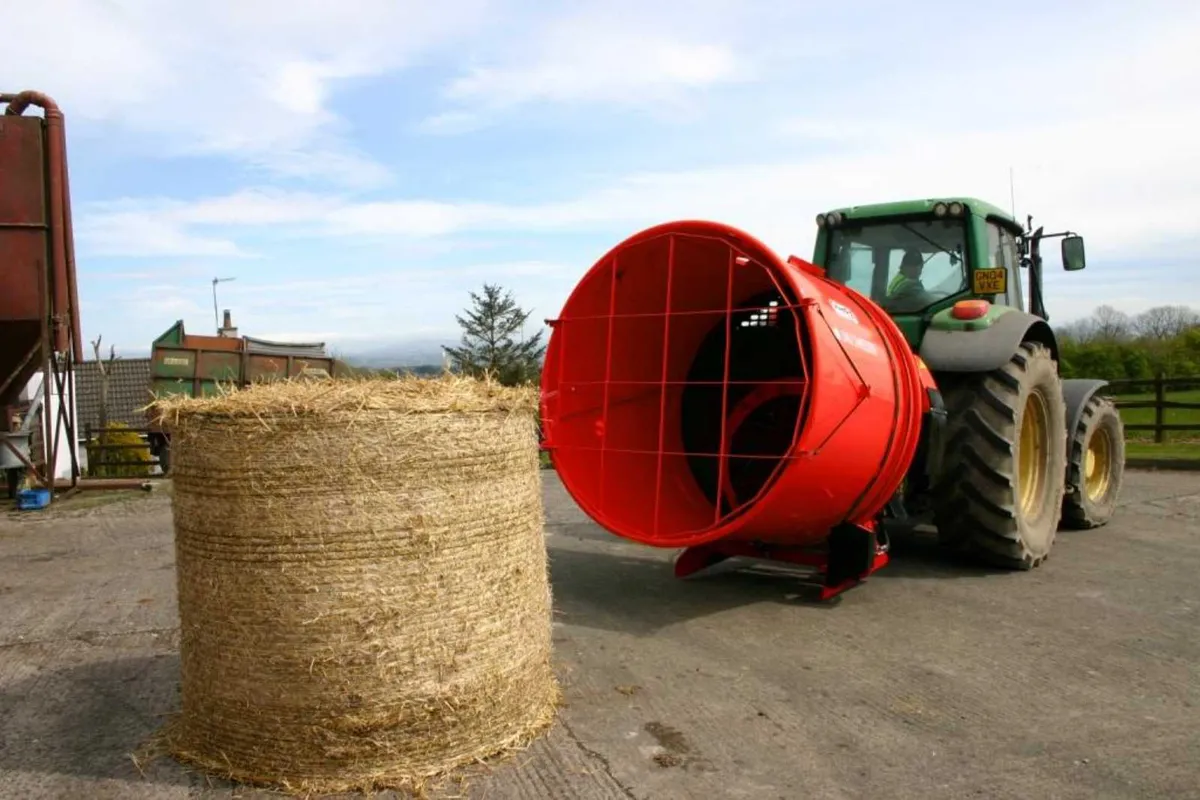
x=975 y=498
x=1078 y=513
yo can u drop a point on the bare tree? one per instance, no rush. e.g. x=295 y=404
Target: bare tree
x=105 y=368
x=1162 y=323
x=1081 y=330
x=1110 y=324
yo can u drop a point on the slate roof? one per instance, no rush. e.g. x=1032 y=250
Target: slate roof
x=128 y=390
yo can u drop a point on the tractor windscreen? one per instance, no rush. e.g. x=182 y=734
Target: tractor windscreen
x=903 y=265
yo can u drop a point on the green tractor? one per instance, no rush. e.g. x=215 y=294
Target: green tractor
x=1012 y=451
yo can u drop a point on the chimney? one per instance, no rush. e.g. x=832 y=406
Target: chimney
x=227 y=330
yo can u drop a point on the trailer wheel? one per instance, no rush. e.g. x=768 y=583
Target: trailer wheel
x=999 y=496
x=1095 y=466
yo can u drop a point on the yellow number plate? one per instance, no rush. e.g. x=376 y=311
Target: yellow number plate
x=991 y=281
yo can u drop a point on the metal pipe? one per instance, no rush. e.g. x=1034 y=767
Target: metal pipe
x=100 y=484
x=49 y=458
x=72 y=275
x=73 y=415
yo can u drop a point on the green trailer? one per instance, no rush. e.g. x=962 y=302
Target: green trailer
x=199 y=365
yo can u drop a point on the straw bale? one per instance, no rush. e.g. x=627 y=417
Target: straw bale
x=363 y=590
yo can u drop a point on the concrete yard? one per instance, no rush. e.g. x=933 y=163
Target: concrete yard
x=1077 y=680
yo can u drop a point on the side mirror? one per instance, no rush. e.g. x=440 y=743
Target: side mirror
x=1072 y=253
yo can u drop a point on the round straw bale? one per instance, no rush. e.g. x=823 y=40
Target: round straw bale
x=363 y=590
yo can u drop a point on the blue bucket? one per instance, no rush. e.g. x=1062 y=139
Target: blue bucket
x=33 y=499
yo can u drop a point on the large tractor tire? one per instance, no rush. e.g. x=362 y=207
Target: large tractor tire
x=999 y=498
x=1095 y=466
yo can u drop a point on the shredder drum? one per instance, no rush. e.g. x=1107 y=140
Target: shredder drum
x=697 y=387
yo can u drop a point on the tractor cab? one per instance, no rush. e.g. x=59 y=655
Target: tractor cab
x=919 y=258
x=950 y=272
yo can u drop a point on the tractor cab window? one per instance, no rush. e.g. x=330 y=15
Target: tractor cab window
x=1002 y=247
x=860 y=267
x=904 y=266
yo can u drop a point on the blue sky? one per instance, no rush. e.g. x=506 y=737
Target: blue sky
x=359 y=166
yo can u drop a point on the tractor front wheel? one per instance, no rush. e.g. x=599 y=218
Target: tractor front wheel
x=1000 y=495
x=1096 y=466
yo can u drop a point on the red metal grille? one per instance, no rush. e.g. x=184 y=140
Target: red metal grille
x=677 y=383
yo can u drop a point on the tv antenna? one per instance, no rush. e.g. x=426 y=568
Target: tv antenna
x=216 y=314
x=1012 y=192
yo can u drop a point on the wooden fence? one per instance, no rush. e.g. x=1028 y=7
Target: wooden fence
x=1160 y=387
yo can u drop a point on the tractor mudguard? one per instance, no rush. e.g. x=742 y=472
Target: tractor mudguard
x=966 y=347
x=1076 y=393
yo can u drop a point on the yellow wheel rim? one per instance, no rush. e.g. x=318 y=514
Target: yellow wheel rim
x=1034 y=446
x=1097 y=465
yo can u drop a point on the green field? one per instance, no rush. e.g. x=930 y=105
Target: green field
x=1179 y=445
x=1173 y=416
x=1173 y=451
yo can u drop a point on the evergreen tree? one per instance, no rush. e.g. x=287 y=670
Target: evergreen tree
x=491 y=341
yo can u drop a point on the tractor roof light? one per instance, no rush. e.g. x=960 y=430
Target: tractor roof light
x=956 y=209
x=829 y=219
x=970 y=309
x=939 y=209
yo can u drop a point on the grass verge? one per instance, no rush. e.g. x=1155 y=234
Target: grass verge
x=1171 y=451
x=1171 y=416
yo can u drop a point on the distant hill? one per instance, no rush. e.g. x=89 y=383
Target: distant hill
x=423 y=351
x=417 y=352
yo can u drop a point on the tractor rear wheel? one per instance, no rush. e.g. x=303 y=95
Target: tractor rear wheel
x=1095 y=466
x=999 y=498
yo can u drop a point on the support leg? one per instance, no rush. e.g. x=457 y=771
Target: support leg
x=854 y=553
x=695 y=559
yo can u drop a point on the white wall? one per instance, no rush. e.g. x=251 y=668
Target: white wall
x=63 y=461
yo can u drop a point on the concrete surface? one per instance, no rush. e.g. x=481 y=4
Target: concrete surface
x=1077 y=680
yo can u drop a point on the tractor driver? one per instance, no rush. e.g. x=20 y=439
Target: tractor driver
x=906 y=292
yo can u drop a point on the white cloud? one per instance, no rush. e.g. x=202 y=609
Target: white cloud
x=160 y=301
x=401 y=218
x=1114 y=158
x=452 y=122
x=256 y=81
x=621 y=67
x=246 y=80
x=147 y=234
x=1093 y=123
x=302 y=87
x=348 y=311
x=649 y=57
x=252 y=207
x=1089 y=175
x=165 y=227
